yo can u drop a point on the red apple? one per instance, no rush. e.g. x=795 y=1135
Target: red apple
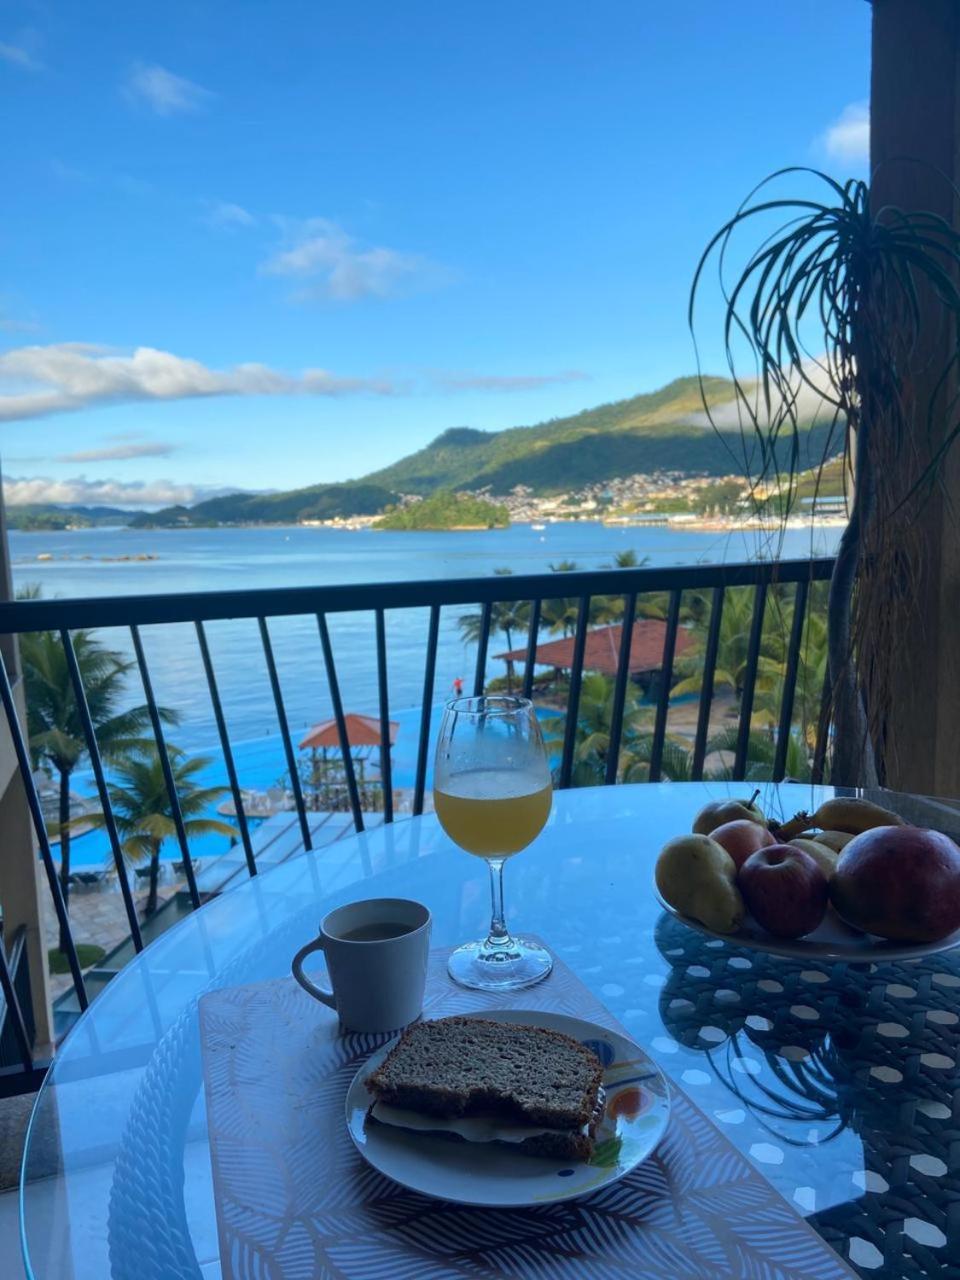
x=741 y=838
x=784 y=890
x=901 y=883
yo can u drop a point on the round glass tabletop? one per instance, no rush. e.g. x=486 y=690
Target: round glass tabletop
x=838 y=1082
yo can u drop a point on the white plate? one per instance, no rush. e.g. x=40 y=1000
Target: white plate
x=831 y=940
x=637 y=1108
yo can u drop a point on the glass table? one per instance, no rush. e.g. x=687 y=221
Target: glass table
x=839 y=1082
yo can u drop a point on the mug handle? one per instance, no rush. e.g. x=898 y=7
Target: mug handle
x=318 y=993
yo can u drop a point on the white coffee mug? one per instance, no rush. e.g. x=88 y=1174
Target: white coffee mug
x=376 y=953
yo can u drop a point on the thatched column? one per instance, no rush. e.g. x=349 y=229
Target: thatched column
x=915 y=113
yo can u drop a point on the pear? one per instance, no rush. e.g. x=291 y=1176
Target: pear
x=697 y=877
x=717 y=812
x=822 y=854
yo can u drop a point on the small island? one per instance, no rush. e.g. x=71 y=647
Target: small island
x=445 y=510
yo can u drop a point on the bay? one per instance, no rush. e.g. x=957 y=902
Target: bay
x=102 y=563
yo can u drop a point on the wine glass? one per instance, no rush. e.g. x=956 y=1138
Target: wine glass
x=492 y=793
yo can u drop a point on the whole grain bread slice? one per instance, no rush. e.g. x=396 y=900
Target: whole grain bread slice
x=474 y=1066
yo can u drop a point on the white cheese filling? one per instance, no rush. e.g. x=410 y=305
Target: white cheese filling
x=470 y=1128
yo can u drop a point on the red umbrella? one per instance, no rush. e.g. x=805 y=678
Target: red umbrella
x=362 y=731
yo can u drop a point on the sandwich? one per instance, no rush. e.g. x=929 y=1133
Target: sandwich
x=475 y=1080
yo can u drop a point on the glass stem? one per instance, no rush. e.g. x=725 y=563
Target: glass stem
x=498 y=930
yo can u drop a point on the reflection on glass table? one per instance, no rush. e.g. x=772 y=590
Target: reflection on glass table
x=837 y=1081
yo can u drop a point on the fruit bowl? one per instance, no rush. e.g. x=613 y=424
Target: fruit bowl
x=831 y=940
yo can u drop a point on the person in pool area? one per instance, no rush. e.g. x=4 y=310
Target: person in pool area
x=458 y=688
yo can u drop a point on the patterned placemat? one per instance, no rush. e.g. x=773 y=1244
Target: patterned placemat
x=295 y=1201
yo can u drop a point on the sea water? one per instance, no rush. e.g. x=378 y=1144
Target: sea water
x=109 y=562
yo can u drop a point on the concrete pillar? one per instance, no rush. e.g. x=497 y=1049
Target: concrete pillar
x=20 y=870
x=915 y=113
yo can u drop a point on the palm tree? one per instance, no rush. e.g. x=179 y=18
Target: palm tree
x=676 y=759
x=53 y=719
x=594 y=725
x=144 y=814
x=507 y=616
x=761 y=753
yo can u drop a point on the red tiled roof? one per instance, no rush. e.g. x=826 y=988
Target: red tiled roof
x=362 y=731
x=602 y=651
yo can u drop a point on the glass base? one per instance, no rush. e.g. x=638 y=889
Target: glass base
x=502 y=966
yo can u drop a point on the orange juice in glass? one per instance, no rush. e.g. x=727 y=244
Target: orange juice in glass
x=492 y=794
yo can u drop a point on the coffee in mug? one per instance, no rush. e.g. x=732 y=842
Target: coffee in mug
x=376 y=953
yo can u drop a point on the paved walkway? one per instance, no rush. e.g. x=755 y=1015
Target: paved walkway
x=97 y=915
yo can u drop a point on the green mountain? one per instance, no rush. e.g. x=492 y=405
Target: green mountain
x=649 y=432
x=319 y=502
x=657 y=431
x=43 y=515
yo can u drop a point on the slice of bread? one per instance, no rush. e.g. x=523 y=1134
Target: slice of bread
x=460 y=1066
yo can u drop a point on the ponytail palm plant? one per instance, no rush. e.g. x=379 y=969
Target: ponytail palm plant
x=825 y=320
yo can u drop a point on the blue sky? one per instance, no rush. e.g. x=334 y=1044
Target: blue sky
x=261 y=245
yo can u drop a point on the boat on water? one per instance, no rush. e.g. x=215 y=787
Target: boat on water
x=538 y=528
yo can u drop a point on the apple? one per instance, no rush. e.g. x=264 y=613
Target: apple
x=901 y=883
x=718 y=812
x=741 y=838
x=784 y=890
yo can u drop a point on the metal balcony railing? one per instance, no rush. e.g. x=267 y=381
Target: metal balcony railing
x=790 y=581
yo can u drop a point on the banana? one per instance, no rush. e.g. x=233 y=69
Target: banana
x=784 y=832
x=853 y=816
x=834 y=840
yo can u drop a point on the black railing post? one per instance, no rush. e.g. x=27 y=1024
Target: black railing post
x=749 y=682
x=426 y=709
x=285 y=733
x=11 y=1014
x=531 y=659
x=620 y=687
x=164 y=757
x=819 y=765
x=790 y=680
x=342 y=735
x=706 y=684
x=386 y=756
x=483 y=641
x=226 y=749
x=573 y=695
x=666 y=677
x=109 y=821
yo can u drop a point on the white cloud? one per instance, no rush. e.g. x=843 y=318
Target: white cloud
x=121 y=451
x=20 y=490
x=335 y=265
x=223 y=213
x=809 y=398
x=17 y=56
x=848 y=138
x=68 y=376
x=163 y=92
x=506 y=382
